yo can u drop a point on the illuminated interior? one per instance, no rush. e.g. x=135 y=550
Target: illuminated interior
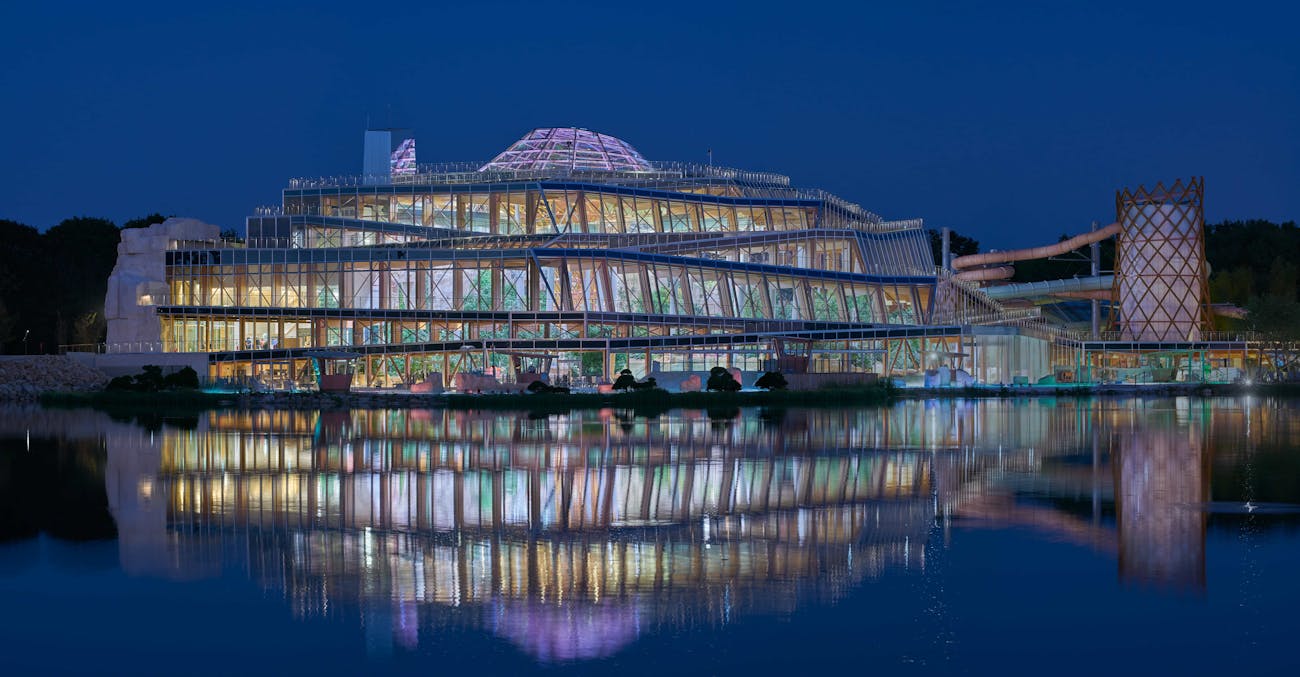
x=573 y=249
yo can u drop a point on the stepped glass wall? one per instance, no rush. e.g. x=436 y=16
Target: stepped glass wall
x=568 y=252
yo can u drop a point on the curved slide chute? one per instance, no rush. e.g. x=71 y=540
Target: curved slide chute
x=969 y=267
x=1098 y=287
x=986 y=274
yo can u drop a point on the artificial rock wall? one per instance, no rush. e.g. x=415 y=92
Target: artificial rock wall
x=139 y=280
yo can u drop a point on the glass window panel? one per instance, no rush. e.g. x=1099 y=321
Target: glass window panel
x=712 y=218
x=556 y=212
x=898 y=305
x=662 y=299
x=441 y=211
x=634 y=290
x=862 y=303
x=400 y=288
x=923 y=294
x=617 y=289
x=682 y=217
x=744 y=219
x=593 y=222
x=549 y=287
x=748 y=296
x=374 y=208
x=512 y=213
x=826 y=300
x=514 y=289
x=611 y=214
x=474 y=210
x=640 y=214
x=408 y=209
x=476 y=288
x=438 y=287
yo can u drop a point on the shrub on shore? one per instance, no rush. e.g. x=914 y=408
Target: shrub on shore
x=151 y=380
x=771 y=380
x=721 y=380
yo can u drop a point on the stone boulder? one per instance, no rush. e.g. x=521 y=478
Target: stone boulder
x=24 y=378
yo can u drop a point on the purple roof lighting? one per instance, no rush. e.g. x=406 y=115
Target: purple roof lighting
x=555 y=633
x=403 y=159
x=568 y=148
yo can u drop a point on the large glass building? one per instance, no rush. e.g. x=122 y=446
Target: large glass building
x=571 y=254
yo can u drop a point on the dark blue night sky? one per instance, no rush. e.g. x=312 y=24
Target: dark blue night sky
x=1010 y=123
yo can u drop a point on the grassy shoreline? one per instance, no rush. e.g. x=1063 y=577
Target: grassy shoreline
x=130 y=404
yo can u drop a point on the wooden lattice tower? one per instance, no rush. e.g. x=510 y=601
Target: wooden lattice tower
x=1161 y=288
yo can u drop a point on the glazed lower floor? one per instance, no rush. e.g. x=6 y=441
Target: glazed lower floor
x=955 y=358
x=967 y=354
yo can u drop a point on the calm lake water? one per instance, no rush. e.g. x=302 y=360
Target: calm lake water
x=1058 y=536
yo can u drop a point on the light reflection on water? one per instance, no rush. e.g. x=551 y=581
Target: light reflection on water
x=571 y=536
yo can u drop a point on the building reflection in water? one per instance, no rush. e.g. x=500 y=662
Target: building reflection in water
x=569 y=536
x=1163 y=491
x=572 y=535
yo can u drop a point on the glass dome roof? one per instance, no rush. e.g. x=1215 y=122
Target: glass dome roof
x=568 y=148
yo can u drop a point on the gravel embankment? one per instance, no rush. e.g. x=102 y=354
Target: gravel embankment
x=24 y=377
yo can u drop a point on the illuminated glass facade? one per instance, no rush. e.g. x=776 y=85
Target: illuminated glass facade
x=568 y=246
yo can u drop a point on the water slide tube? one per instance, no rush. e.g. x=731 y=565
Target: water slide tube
x=1082 y=287
x=986 y=274
x=1228 y=310
x=964 y=264
x=1098 y=287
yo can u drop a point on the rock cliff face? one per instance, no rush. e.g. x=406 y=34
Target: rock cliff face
x=138 y=282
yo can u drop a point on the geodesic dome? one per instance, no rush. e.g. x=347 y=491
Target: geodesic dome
x=568 y=148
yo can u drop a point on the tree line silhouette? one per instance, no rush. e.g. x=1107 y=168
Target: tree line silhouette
x=52 y=284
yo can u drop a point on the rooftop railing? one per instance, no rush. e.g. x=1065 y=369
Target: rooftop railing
x=468 y=172
x=114 y=348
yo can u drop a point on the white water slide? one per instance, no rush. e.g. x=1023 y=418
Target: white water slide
x=984 y=268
